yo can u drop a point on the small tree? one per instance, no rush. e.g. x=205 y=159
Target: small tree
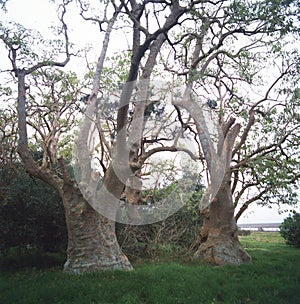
x=290 y=229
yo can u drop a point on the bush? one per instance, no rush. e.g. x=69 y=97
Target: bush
x=31 y=213
x=290 y=230
x=242 y=232
x=21 y=258
x=168 y=238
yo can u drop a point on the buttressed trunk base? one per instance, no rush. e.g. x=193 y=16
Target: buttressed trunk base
x=92 y=242
x=218 y=241
x=222 y=251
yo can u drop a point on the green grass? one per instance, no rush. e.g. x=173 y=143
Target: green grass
x=273 y=277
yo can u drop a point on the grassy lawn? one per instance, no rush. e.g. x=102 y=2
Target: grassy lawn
x=273 y=277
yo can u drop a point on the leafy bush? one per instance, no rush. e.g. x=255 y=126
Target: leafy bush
x=290 y=230
x=31 y=213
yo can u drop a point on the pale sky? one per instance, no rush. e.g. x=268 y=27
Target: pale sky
x=40 y=14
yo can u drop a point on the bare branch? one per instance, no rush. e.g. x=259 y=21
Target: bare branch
x=244 y=136
x=250 y=201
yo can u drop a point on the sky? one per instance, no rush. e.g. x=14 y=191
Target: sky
x=39 y=14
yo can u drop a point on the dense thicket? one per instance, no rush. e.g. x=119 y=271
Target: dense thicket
x=170 y=237
x=31 y=212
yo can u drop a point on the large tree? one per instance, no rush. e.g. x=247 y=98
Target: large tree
x=232 y=52
x=47 y=102
x=130 y=147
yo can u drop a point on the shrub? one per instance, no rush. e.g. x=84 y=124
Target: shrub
x=31 y=213
x=290 y=229
x=21 y=258
x=242 y=232
x=170 y=237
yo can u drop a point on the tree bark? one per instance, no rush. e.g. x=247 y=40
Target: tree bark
x=92 y=242
x=218 y=242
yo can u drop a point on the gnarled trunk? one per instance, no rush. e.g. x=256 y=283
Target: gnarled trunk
x=218 y=242
x=92 y=242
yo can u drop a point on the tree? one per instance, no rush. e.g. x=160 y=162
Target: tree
x=92 y=243
x=123 y=159
x=221 y=69
x=290 y=229
x=272 y=167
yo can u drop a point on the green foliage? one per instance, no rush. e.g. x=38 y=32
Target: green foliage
x=274 y=165
x=54 y=110
x=31 y=213
x=30 y=44
x=8 y=135
x=272 y=17
x=170 y=237
x=115 y=71
x=182 y=282
x=290 y=230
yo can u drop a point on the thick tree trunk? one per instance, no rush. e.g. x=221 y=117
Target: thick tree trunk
x=218 y=242
x=92 y=242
